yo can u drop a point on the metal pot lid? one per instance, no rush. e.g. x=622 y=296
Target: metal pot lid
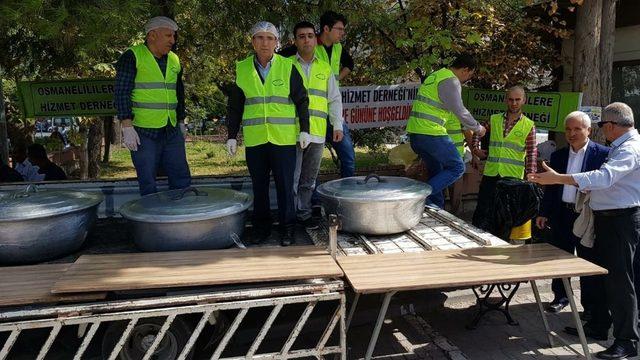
x=33 y=204
x=375 y=188
x=186 y=205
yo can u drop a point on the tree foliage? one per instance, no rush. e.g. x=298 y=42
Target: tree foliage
x=391 y=40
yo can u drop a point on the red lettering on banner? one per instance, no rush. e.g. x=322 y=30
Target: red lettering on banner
x=363 y=115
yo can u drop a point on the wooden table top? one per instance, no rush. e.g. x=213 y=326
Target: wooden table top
x=25 y=285
x=196 y=268
x=463 y=267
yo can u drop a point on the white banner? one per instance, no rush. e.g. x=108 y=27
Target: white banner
x=379 y=105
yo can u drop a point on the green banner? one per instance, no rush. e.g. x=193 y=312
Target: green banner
x=86 y=97
x=546 y=109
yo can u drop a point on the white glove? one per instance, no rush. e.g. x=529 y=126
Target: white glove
x=130 y=138
x=232 y=146
x=183 y=129
x=304 y=139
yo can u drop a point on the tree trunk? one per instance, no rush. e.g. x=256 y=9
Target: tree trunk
x=607 y=42
x=586 y=58
x=108 y=137
x=4 y=143
x=94 y=147
x=84 y=157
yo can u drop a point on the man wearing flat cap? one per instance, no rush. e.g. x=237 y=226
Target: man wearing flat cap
x=265 y=99
x=149 y=97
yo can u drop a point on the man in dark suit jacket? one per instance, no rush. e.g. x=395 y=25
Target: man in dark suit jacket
x=558 y=204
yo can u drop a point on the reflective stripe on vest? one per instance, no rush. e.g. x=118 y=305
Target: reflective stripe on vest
x=454 y=130
x=428 y=114
x=154 y=98
x=268 y=115
x=334 y=62
x=317 y=85
x=507 y=154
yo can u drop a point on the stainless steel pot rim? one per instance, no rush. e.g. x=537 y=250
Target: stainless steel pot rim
x=389 y=189
x=180 y=206
x=30 y=204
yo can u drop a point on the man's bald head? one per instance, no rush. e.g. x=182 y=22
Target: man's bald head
x=516 y=89
x=515 y=99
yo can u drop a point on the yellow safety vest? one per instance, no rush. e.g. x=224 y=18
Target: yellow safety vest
x=507 y=153
x=454 y=130
x=317 y=85
x=269 y=115
x=428 y=114
x=154 y=98
x=336 y=53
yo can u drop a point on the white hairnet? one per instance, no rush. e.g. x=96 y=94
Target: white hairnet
x=160 y=22
x=264 y=26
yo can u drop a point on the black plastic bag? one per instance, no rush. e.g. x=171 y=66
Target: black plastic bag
x=515 y=203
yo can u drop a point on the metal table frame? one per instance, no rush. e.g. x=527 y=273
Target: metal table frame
x=550 y=334
x=89 y=317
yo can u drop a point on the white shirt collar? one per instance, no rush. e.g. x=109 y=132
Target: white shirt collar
x=581 y=150
x=301 y=60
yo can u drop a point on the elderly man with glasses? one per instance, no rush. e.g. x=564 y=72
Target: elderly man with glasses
x=615 y=201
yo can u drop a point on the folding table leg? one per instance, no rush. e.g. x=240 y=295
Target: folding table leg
x=352 y=311
x=376 y=330
x=547 y=329
x=576 y=318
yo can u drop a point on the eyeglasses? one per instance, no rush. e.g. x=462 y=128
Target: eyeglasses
x=601 y=123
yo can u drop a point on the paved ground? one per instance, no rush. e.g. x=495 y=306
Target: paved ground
x=437 y=331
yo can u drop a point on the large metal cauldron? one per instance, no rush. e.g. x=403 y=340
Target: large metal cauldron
x=375 y=205
x=188 y=219
x=42 y=225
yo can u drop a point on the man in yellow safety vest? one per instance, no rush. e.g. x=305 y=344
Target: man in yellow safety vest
x=438 y=102
x=267 y=96
x=512 y=152
x=325 y=102
x=149 y=98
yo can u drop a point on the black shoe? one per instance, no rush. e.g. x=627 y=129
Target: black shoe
x=260 y=235
x=310 y=223
x=600 y=335
x=288 y=235
x=557 y=305
x=618 y=350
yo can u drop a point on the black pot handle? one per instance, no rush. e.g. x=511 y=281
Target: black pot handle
x=369 y=177
x=192 y=189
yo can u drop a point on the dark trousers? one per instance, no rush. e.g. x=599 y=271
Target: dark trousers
x=161 y=148
x=615 y=245
x=262 y=160
x=562 y=237
x=483 y=215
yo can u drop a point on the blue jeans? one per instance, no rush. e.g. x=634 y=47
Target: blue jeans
x=444 y=164
x=165 y=149
x=344 y=150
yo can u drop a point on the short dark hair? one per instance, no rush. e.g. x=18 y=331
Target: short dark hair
x=465 y=61
x=37 y=151
x=330 y=18
x=303 y=25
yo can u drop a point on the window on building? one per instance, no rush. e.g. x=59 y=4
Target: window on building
x=626 y=85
